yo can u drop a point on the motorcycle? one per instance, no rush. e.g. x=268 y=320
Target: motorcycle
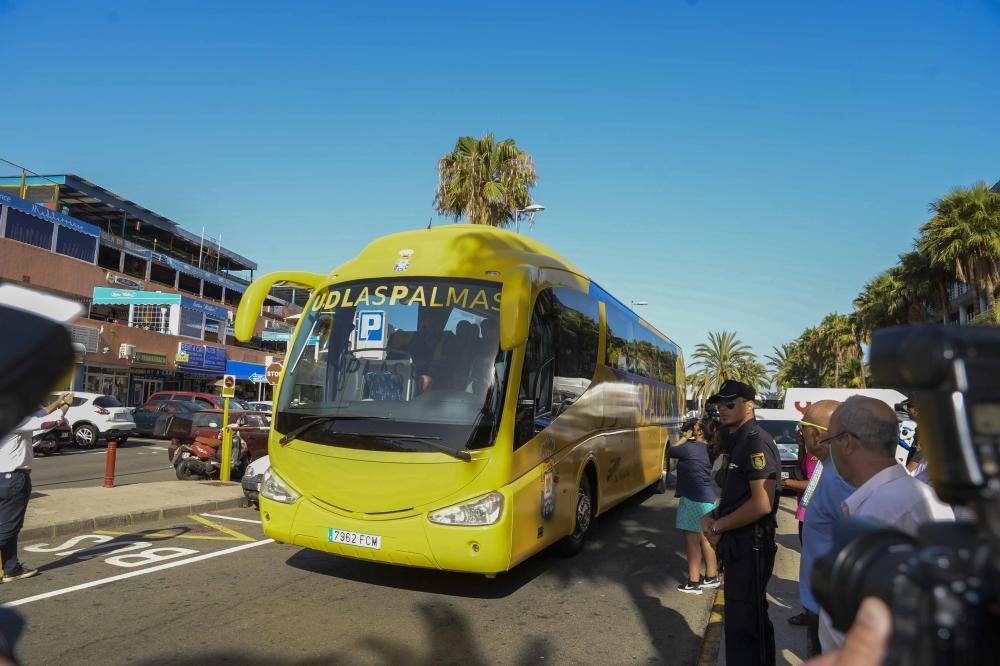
x=51 y=437
x=202 y=459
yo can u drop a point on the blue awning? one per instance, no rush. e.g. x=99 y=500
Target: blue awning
x=40 y=211
x=246 y=371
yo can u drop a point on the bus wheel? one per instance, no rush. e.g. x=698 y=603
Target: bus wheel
x=660 y=487
x=573 y=544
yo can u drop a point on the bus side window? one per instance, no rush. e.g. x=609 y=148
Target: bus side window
x=534 y=401
x=577 y=336
x=620 y=350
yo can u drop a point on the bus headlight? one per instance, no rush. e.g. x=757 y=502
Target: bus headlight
x=485 y=510
x=274 y=488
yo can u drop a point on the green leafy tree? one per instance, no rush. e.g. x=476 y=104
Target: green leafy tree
x=484 y=182
x=964 y=233
x=777 y=361
x=724 y=357
x=838 y=342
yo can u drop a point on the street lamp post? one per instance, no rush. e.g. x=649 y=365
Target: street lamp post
x=530 y=210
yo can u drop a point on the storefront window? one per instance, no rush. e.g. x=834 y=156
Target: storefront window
x=191 y=323
x=107 y=382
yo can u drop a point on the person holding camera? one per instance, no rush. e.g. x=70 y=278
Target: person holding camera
x=742 y=526
x=697 y=497
x=862 y=440
x=15 y=486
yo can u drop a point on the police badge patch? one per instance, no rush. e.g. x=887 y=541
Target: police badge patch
x=757 y=461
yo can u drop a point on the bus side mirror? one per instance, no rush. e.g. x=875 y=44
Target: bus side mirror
x=515 y=307
x=253 y=297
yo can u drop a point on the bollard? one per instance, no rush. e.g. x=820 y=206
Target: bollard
x=109 y=464
x=226 y=443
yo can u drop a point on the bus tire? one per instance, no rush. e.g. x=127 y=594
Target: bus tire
x=660 y=487
x=583 y=519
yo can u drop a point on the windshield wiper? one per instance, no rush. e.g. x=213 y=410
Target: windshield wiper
x=316 y=420
x=429 y=440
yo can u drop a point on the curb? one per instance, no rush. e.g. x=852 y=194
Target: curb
x=125 y=519
x=712 y=639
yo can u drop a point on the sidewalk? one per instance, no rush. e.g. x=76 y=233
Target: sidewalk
x=783 y=592
x=64 y=511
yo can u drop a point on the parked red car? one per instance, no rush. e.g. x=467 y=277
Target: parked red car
x=250 y=427
x=202 y=400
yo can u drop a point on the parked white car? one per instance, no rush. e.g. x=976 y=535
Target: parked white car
x=261 y=405
x=94 y=416
x=253 y=477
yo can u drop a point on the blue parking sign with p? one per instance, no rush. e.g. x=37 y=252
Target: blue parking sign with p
x=371 y=326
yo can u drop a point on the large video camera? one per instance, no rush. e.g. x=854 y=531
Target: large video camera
x=942 y=586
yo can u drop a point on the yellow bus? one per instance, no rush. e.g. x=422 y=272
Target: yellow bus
x=461 y=398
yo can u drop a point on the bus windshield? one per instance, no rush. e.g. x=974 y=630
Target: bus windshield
x=416 y=358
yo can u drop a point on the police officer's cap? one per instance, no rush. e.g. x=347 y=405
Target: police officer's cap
x=733 y=389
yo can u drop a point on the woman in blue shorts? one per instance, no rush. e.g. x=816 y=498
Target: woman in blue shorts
x=697 y=493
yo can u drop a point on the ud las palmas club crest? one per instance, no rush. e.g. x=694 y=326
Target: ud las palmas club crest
x=757 y=461
x=404 y=261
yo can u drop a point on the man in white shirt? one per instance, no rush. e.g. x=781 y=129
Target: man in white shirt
x=15 y=486
x=862 y=439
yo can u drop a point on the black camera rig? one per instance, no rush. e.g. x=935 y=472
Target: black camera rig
x=943 y=586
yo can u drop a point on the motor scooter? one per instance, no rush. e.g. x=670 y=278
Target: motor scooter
x=202 y=459
x=50 y=437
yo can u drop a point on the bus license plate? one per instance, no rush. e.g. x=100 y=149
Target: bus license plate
x=372 y=541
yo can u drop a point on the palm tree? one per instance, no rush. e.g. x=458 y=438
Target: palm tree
x=483 y=181
x=882 y=302
x=838 y=340
x=751 y=371
x=723 y=357
x=778 y=361
x=924 y=285
x=964 y=233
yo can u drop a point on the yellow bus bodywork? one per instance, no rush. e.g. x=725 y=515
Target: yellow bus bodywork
x=615 y=432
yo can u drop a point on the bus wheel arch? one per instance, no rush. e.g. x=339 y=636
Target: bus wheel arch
x=585 y=511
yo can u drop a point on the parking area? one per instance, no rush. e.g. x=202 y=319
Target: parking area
x=210 y=588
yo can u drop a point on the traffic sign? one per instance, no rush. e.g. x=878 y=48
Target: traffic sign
x=273 y=373
x=229 y=386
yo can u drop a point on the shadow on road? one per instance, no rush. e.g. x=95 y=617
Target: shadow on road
x=451 y=638
x=634 y=545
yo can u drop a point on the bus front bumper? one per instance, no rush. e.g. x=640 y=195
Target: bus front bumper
x=412 y=541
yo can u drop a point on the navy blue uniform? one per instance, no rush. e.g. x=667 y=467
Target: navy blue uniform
x=747 y=553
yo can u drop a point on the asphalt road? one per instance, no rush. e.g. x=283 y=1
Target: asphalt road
x=137 y=460
x=187 y=592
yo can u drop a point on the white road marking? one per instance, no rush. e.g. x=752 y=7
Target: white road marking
x=156 y=448
x=133 y=574
x=239 y=520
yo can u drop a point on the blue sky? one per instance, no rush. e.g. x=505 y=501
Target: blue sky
x=739 y=165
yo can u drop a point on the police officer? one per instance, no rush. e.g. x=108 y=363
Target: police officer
x=742 y=527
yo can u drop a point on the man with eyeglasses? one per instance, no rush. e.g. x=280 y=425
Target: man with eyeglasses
x=820 y=504
x=862 y=440
x=742 y=526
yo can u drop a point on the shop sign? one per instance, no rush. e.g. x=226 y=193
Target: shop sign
x=200 y=357
x=108 y=296
x=122 y=281
x=213 y=311
x=149 y=359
